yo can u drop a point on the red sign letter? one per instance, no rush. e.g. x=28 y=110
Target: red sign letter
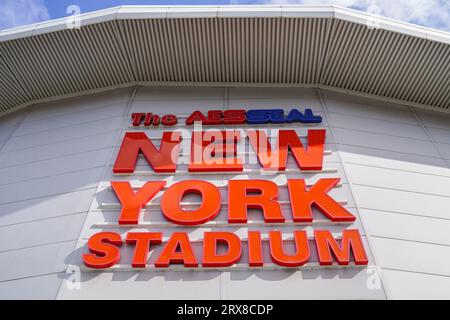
x=177 y=250
x=196 y=116
x=142 y=241
x=302 y=200
x=104 y=251
x=215 y=151
x=327 y=245
x=210 y=207
x=310 y=159
x=132 y=203
x=253 y=194
x=164 y=160
x=255 y=254
x=277 y=253
x=211 y=258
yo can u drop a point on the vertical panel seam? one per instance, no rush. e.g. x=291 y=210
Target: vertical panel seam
x=18 y=124
x=428 y=134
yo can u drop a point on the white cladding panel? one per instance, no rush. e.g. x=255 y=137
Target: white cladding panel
x=56 y=165
x=399 y=178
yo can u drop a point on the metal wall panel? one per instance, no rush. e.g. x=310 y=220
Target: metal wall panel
x=51 y=164
x=393 y=178
x=398 y=177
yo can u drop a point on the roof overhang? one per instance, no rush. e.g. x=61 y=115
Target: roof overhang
x=314 y=46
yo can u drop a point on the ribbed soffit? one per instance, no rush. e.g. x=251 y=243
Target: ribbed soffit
x=323 y=46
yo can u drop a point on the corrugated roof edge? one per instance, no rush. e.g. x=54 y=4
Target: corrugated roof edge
x=232 y=11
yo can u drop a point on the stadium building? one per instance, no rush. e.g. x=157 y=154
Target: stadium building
x=118 y=179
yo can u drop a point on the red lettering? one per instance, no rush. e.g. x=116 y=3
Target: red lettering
x=214 y=117
x=132 y=203
x=351 y=243
x=169 y=120
x=142 y=242
x=253 y=194
x=177 y=250
x=277 y=253
x=211 y=257
x=234 y=116
x=148 y=119
x=213 y=151
x=196 y=116
x=255 y=254
x=104 y=250
x=136 y=118
x=302 y=200
x=209 y=208
x=310 y=159
x=162 y=160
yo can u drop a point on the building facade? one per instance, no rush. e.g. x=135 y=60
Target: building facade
x=64 y=119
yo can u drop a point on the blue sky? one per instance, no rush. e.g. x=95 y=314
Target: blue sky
x=431 y=13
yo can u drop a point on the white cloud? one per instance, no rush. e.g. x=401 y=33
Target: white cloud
x=431 y=13
x=15 y=13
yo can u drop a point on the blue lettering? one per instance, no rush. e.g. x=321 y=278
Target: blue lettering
x=308 y=117
x=276 y=116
